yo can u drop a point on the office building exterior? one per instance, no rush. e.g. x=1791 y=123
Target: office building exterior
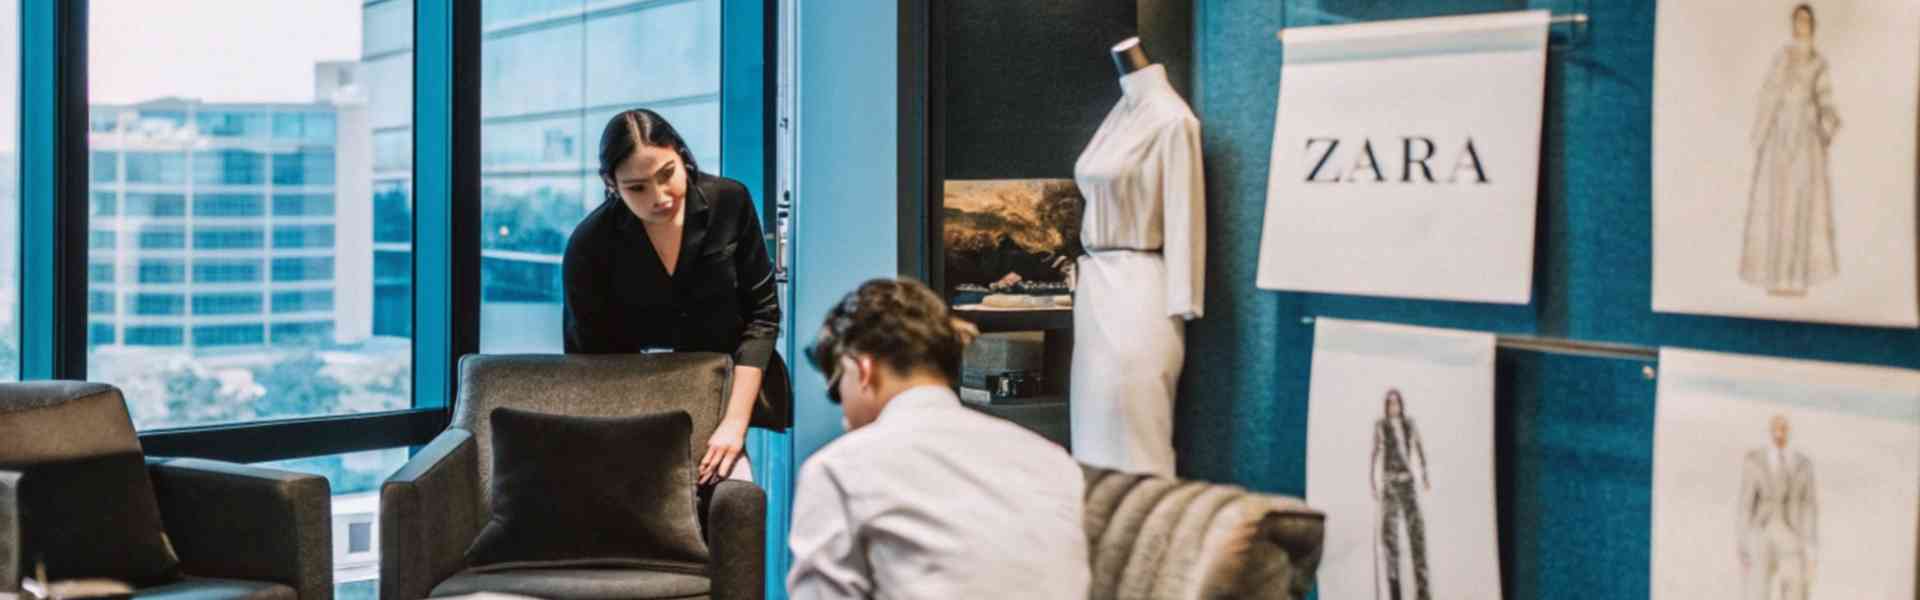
x=221 y=228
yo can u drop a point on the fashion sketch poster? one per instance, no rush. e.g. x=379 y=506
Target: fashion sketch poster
x=1400 y=456
x=1778 y=479
x=1783 y=159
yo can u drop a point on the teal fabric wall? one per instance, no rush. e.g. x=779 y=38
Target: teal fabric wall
x=846 y=188
x=1574 y=434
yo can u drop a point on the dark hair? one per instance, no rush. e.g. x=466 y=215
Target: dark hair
x=628 y=130
x=1813 y=22
x=900 y=322
x=1393 y=397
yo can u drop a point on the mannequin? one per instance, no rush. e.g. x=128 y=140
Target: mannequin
x=1129 y=57
x=1141 y=279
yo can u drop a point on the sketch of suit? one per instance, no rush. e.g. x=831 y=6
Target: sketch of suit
x=1779 y=524
x=1393 y=455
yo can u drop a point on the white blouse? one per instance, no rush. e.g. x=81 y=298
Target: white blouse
x=1145 y=189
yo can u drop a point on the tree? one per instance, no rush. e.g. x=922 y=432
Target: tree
x=298 y=386
x=195 y=396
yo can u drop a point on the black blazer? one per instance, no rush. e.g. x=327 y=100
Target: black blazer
x=722 y=298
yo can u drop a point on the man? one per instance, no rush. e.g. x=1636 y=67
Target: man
x=922 y=497
x=1779 y=520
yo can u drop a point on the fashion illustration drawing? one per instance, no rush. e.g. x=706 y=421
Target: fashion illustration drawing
x=1779 y=520
x=1789 y=232
x=1396 y=445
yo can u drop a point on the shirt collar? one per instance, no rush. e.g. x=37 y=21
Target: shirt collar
x=918 y=399
x=1145 y=82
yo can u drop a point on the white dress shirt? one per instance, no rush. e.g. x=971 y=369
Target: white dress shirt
x=934 y=500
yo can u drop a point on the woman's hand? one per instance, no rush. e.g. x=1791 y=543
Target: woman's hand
x=729 y=441
x=724 y=449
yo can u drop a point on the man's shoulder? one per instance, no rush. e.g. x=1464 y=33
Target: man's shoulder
x=848 y=446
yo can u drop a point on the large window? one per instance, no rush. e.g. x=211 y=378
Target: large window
x=232 y=150
x=553 y=72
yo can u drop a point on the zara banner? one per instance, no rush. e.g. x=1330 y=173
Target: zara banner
x=1406 y=159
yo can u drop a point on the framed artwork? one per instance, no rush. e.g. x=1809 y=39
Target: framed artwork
x=1011 y=243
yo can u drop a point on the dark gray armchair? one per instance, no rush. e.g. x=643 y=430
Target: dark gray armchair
x=431 y=510
x=240 y=531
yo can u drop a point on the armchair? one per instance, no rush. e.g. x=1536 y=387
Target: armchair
x=434 y=507
x=239 y=531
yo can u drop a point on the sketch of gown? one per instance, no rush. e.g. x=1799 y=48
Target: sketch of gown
x=1789 y=231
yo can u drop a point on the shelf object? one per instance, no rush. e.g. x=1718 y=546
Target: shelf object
x=995 y=321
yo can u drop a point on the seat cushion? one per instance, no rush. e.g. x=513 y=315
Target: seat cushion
x=558 y=584
x=217 y=589
x=571 y=488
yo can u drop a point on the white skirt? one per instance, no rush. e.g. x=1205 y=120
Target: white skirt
x=1127 y=354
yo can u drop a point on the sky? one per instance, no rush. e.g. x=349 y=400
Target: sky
x=215 y=50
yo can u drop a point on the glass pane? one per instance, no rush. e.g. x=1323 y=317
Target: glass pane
x=355 y=479
x=227 y=205
x=303 y=205
x=226 y=304
x=552 y=73
x=226 y=270
x=233 y=237
x=508 y=13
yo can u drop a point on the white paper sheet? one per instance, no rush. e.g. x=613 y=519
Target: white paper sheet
x=1448 y=110
x=1838 y=488
x=1444 y=380
x=1783 y=180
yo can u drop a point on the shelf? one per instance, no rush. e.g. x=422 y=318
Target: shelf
x=1047 y=418
x=996 y=321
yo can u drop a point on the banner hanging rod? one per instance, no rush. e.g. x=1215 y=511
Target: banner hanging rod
x=1549 y=345
x=1566 y=19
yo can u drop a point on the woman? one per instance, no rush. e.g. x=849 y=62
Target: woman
x=1395 y=444
x=1789 y=236
x=673 y=261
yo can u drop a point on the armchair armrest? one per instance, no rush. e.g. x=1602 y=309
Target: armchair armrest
x=1298 y=531
x=736 y=528
x=429 y=513
x=242 y=522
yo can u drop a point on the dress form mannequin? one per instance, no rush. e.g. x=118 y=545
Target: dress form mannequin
x=1129 y=57
x=1144 y=228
